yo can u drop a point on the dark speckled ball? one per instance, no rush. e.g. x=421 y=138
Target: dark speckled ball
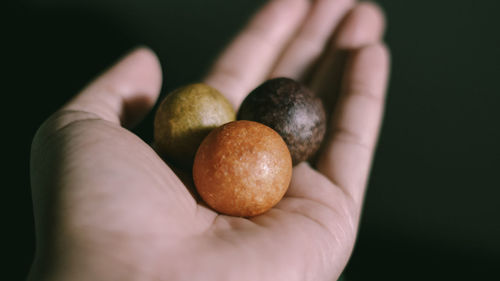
x=292 y=110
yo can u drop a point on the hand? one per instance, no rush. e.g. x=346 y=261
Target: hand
x=108 y=208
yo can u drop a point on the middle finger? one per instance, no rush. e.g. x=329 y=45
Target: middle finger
x=308 y=45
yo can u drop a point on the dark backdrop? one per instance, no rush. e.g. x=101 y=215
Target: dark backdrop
x=432 y=207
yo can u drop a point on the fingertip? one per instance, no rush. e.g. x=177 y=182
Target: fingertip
x=125 y=92
x=364 y=25
x=143 y=78
x=147 y=69
x=377 y=12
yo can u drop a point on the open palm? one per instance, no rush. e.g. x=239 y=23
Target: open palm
x=108 y=208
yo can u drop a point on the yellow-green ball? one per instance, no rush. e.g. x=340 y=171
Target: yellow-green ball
x=185 y=117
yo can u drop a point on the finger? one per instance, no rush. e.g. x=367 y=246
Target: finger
x=310 y=42
x=251 y=55
x=308 y=183
x=364 y=25
x=348 y=152
x=125 y=92
x=312 y=195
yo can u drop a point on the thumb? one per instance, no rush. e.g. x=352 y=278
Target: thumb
x=124 y=93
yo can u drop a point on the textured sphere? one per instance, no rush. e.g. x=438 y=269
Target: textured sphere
x=290 y=109
x=185 y=117
x=242 y=169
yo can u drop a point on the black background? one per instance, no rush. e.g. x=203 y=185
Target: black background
x=431 y=210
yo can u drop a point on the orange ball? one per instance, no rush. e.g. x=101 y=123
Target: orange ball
x=242 y=168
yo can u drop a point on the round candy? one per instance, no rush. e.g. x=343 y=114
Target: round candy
x=185 y=117
x=290 y=109
x=242 y=168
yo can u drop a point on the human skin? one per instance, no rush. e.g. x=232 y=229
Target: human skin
x=108 y=208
